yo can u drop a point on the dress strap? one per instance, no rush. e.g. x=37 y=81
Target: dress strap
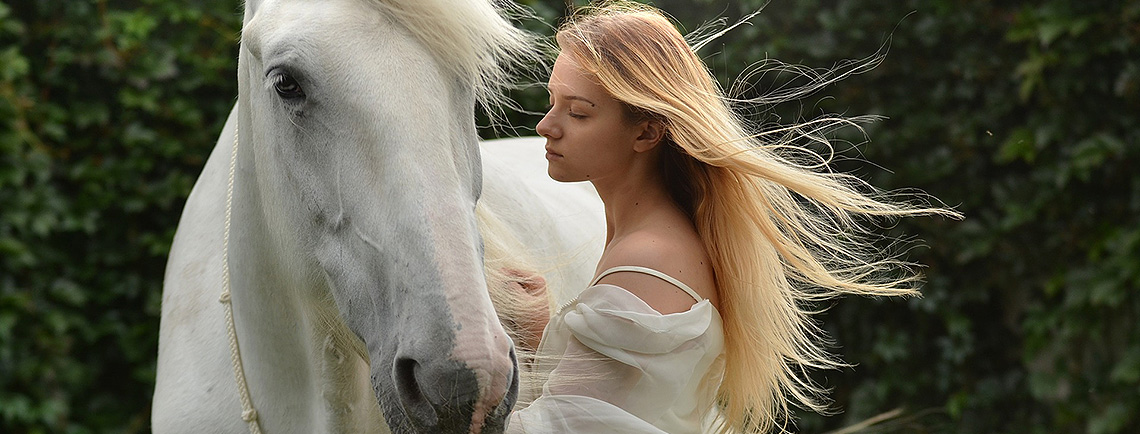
x=651 y=272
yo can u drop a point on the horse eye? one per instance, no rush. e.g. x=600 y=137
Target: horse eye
x=287 y=87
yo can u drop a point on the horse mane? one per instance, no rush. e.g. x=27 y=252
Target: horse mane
x=475 y=40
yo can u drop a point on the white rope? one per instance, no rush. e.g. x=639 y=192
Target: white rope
x=248 y=414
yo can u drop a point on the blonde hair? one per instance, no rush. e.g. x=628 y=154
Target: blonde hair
x=782 y=230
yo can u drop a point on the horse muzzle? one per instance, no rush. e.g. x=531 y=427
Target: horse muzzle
x=448 y=396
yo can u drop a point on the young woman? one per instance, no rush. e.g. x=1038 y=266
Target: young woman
x=697 y=319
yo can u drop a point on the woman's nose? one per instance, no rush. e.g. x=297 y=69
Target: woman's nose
x=546 y=128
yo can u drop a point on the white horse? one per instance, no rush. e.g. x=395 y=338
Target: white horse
x=341 y=198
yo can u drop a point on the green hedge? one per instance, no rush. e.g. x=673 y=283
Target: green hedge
x=107 y=113
x=1020 y=115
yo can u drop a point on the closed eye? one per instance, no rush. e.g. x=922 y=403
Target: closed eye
x=550 y=107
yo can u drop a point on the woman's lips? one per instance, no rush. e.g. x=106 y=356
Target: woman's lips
x=551 y=155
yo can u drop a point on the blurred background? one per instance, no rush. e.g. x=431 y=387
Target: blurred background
x=1022 y=115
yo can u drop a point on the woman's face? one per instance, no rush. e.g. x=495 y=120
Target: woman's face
x=588 y=137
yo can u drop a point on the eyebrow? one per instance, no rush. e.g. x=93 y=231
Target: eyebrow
x=578 y=98
x=574 y=98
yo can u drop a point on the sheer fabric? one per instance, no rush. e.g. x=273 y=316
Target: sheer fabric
x=614 y=364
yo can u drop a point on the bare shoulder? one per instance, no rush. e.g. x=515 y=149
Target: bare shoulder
x=677 y=252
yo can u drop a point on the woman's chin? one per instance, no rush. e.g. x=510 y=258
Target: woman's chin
x=554 y=175
x=558 y=173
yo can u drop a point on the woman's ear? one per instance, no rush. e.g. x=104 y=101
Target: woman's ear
x=652 y=132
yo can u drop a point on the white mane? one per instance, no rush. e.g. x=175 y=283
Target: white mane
x=473 y=39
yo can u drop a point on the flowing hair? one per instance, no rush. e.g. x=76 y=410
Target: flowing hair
x=783 y=230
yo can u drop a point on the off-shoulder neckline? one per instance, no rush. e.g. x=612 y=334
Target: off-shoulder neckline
x=691 y=308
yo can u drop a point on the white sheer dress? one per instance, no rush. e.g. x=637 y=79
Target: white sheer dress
x=616 y=365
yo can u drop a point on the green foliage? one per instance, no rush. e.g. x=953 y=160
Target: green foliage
x=107 y=112
x=1020 y=115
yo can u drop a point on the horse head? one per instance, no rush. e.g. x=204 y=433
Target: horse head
x=358 y=176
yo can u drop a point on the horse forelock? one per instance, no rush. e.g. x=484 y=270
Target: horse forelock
x=474 y=39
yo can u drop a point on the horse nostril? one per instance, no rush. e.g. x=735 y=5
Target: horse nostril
x=416 y=405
